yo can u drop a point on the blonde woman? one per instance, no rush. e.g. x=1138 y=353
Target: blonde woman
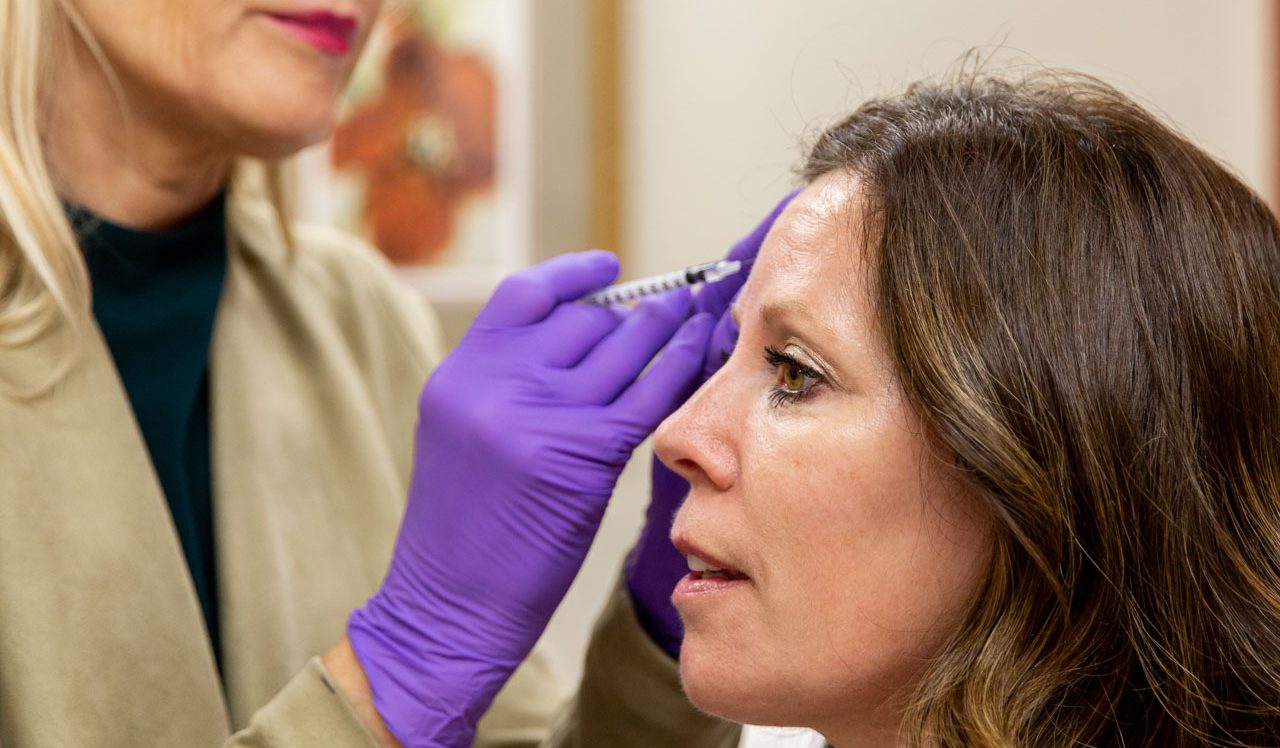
x=207 y=415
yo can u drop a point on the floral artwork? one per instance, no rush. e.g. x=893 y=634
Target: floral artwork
x=425 y=161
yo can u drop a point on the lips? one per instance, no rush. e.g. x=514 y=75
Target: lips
x=700 y=568
x=327 y=31
x=707 y=574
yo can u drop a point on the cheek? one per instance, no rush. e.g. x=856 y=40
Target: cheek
x=233 y=75
x=881 y=564
x=867 y=562
x=898 y=536
x=302 y=86
x=158 y=39
x=371 y=9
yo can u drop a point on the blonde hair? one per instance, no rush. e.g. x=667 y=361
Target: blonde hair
x=43 y=278
x=41 y=269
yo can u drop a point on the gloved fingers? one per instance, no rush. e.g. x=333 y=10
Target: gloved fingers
x=668 y=382
x=723 y=339
x=573 y=330
x=678 y=301
x=620 y=357
x=715 y=297
x=748 y=245
x=530 y=295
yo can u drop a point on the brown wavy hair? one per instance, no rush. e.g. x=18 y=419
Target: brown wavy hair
x=1085 y=310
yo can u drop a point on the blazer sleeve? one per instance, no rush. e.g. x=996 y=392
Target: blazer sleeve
x=310 y=712
x=630 y=695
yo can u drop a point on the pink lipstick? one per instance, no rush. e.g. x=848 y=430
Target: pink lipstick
x=326 y=31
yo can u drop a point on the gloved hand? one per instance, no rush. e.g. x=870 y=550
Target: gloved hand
x=522 y=433
x=654 y=566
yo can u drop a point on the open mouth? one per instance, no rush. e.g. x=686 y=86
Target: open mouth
x=700 y=569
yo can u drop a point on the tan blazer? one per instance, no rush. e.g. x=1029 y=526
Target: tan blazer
x=316 y=365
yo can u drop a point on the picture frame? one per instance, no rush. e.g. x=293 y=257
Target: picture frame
x=431 y=160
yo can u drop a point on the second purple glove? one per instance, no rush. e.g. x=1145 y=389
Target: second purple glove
x=654 y=566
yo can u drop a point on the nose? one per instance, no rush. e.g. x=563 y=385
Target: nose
x=696 y=441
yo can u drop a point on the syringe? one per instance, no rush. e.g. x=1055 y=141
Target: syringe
x=708 y=272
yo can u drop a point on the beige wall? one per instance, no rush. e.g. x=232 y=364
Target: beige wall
x=718 y=94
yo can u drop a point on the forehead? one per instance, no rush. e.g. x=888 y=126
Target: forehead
x=813 y=257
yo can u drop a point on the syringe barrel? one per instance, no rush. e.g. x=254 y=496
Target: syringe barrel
x=638 y=288
x=705 y=273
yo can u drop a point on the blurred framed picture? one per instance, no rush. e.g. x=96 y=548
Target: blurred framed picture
x=431 y=160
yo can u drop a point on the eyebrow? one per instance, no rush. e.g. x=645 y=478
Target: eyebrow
x=793 y=316
x=780 y=314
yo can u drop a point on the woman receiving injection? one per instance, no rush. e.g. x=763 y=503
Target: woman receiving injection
x=993 y=462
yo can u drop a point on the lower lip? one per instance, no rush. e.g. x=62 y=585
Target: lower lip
x=692 y=586
x=322 y=38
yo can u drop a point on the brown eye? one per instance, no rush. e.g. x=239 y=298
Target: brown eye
x=795 y=379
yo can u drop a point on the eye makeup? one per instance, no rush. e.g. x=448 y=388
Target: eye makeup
x=796 y=380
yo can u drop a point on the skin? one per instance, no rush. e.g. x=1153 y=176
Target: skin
x=862 y=553
x=200 y=83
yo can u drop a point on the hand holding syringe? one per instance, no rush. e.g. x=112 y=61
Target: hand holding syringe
x=708 y=272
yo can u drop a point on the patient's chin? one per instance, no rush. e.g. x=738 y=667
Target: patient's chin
x=733 y=688
x=750 y=682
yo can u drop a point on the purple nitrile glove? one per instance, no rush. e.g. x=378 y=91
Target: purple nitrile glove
x=654 y=566
x=522 y=433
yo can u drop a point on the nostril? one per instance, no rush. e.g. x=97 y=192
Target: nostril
x=688 y=470
x=685 y=466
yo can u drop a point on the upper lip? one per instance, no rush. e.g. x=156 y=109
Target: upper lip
x=688 y=548
x=338 y=23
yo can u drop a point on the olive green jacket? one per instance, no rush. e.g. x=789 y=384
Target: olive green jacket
x=316 y=364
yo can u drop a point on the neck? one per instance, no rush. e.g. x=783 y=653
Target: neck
x=111 y=157
x=882 y=727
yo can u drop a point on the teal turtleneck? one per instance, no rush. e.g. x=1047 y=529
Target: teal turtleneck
x=155 y=295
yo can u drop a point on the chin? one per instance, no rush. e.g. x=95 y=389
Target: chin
x=285 y=134
x=763 y=687
x=277 y=116
x=726 y=684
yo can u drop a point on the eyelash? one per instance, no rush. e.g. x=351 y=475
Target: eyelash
x=780 y=395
